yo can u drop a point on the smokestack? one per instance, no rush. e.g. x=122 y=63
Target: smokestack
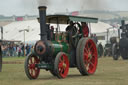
x=122 y=22
x=42 y=14
x=123 y=25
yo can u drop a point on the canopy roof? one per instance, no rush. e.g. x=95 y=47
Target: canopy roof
x=63 y=19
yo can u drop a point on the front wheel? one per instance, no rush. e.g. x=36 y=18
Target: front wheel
x=32 y=72
x=61 y=65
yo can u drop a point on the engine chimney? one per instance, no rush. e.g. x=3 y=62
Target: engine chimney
x=123 y=25
x=42 y=14
x=122 y=22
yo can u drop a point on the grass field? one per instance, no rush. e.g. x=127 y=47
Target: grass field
x=109 y=72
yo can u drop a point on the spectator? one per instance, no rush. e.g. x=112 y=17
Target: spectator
x=14 y=50
x=27 y=49
x=11 y=50
x=32 y=48
x=22 y=49
x=19 y=51
x=95 y=38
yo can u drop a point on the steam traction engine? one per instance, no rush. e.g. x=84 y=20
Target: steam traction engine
x=120 y=47
x=64 y=49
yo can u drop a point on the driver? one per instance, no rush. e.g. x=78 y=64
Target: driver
x=68 y=29
x=70 y=26
x=52 y=33
x=72 y=49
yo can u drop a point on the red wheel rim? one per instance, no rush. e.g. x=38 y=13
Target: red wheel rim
x=90 y=56
x=33 y=70
x=63 y=65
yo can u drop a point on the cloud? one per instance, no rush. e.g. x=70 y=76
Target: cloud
x=21 y=7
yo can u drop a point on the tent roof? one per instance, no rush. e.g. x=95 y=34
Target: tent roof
x=11 y=31
x=99 y=27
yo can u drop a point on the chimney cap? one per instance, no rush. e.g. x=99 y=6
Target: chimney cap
x=42 y=7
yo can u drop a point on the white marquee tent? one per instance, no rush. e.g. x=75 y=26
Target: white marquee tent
x=11 y=31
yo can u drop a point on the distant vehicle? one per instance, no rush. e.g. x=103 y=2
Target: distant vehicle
x=56 y=51
x=109 y=44
x=120 y=47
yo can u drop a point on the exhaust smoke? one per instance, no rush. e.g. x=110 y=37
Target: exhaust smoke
x=72 y=5
x=64 y=6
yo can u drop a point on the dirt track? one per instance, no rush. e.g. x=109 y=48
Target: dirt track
x=109 y=72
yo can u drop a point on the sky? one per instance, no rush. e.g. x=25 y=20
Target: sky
x=22 y=7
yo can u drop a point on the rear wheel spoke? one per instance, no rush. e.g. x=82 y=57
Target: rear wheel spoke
x=31 y=60
x=85 y=50
x=94 y=55
x=61 y=70
x=60 y=59
x=91 y=64
x=91 y=47
x=32 y=72
x=87 y=66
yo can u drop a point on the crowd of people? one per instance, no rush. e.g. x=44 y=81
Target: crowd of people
x=16 y=50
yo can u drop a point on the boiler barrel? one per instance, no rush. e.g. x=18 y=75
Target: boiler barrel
x=50 y=48
x=57 y=47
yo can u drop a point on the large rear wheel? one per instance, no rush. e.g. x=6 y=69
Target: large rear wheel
x=78 y=53
x=31 y=70
x=88 y=57
x=61 y=65
x=123 y=45
x=124 y=54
